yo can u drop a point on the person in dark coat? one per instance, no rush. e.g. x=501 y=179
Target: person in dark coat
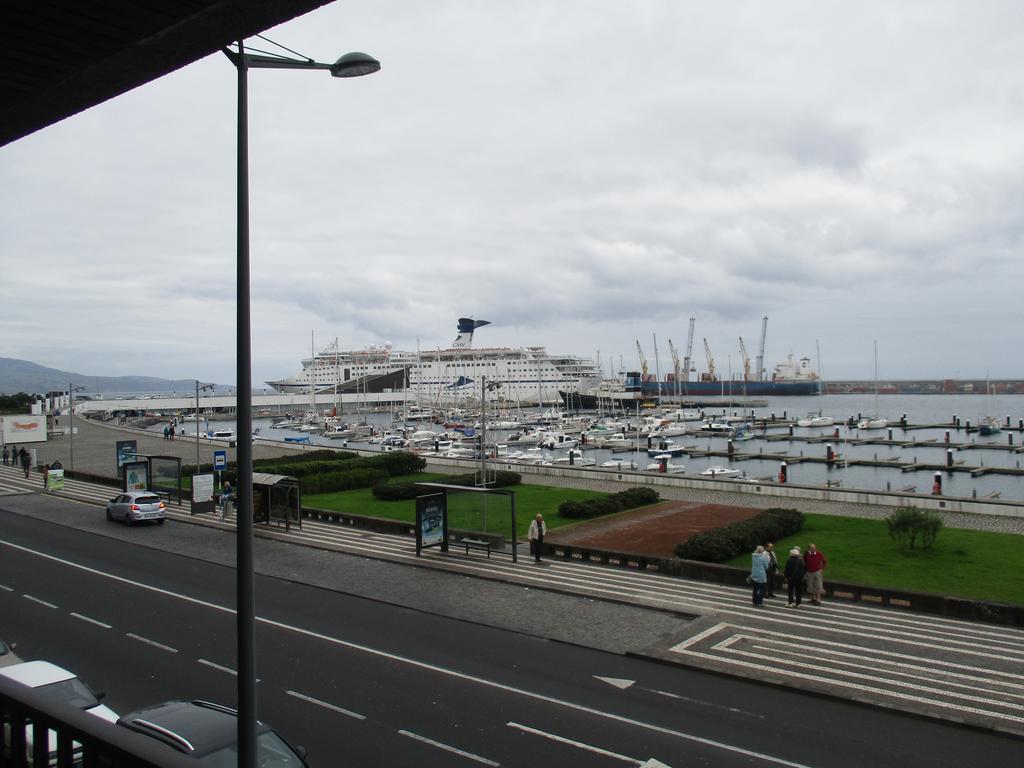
x=773 y=568
x=794 y=573
x=26 y=460
x=7 y=456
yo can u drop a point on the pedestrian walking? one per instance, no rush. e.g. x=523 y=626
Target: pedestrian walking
x=46 y=475
x=225 y=499
x=773 y=568
x=758 y=575
x=536 y=535
x=7 y=455
x=26 y=461
x=172 y=432
x=815 y=563
x=794 y=574
x=167 y=431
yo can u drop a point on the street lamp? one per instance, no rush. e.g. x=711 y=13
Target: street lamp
x=204 y=388
x=349 y=65
x=71 y=396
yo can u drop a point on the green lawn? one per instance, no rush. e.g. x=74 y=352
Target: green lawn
x=465 y=511
x=972 y=564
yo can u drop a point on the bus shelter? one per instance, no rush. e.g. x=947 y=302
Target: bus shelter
x=276 y=499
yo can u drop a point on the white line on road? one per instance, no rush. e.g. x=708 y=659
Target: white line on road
x=579 y=744
x=5 y=588
x=800 y=674
x=422 y=664
x=325 y=705
x=91 y=621
x=154 y=643
x=448 y=748
x=37 y=600
x=218 y=666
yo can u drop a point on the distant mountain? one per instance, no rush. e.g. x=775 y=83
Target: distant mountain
x=24 y=376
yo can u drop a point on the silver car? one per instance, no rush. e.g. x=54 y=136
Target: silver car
x=136 y=506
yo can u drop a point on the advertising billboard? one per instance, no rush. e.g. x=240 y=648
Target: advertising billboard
x=432 y=522
x=24 y=429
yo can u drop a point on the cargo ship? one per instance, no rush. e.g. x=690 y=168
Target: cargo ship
x=790 y=378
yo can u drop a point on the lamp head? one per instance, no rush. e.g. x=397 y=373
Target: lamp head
x=354 y=64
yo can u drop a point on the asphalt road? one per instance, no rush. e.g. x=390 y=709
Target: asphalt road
x=360 y=682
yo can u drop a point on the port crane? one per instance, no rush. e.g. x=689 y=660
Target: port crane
x=688 y=366
x=760 y=355
x=746 y=360
x=710 y=375
x=643 y=360
x=675 y=365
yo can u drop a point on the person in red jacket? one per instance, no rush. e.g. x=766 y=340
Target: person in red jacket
x=815 y=563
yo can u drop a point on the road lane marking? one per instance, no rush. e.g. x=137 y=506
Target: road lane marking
x=154 y=643
x=218 y=666
x=829 y=674
x=698 y=637
x=5 y=588
x=37 y=600
x=856 y=687
x=91 y=621
x=325 y=705
x=577 y=744
x=422 y=664
x=449 y=748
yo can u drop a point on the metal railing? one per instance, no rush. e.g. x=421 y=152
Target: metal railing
x=81 y=739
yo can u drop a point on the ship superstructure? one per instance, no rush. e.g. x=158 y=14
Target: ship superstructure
x=445 y=376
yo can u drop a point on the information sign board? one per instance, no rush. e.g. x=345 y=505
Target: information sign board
x=220 y=460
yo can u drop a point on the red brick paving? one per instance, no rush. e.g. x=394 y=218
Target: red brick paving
x=653 y=530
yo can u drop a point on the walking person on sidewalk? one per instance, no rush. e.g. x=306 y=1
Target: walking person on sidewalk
x=794 y=574
x=773 y=568
x=759 y=575
x=26 y=461
x=7 y=455
x=815 y=563
x=536 y=535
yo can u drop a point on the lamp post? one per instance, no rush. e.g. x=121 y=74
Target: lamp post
x=349 y=65
x=204 y=388
x=71 y=395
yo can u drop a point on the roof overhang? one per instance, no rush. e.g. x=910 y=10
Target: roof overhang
x=61 y=57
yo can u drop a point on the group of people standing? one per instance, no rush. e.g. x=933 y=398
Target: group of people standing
x=809 y=568
x=169 y=430
x=15 y=456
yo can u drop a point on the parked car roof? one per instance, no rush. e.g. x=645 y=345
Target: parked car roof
x=197 y=728
x=60 y=684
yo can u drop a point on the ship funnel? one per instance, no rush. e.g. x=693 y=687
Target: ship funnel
x=466 y=327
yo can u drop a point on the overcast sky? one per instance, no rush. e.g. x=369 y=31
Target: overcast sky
x=581 y=174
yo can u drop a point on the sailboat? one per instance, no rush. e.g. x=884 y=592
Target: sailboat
x=989 y=425
x=876 y=422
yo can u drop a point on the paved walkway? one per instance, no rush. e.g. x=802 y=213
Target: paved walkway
x=947 y=669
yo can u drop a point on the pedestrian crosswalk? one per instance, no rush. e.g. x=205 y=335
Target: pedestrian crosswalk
x=930 y=665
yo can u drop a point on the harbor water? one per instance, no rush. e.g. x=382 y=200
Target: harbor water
x=976 y=451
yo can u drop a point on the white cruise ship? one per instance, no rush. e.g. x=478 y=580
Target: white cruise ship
x=445 y=376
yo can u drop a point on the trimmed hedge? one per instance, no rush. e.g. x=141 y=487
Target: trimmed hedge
x=343 y=481
x=726 y=542
x=329 y=471
x=405 y=491
x=606 y=505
